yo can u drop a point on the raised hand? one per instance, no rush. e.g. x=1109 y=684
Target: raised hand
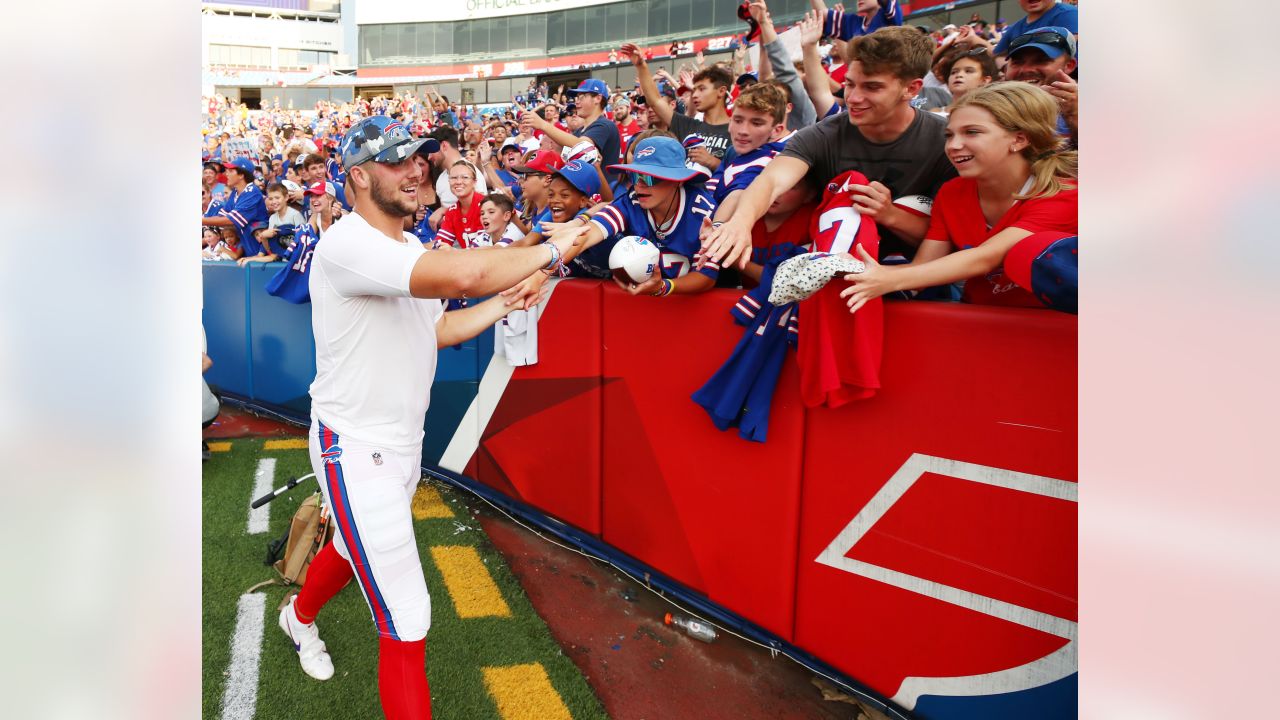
x=633 y=53
x=810 y=29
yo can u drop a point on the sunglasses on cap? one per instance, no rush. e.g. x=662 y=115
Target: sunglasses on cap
x=640 y=179
x=1043 y=38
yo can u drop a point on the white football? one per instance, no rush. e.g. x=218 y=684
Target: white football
x=584 y=151
x=920 y=205
x=633 y=259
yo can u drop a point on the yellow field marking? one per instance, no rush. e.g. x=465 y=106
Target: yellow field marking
x=472 y=589
x=289 y=444
x=427 y=503
x=219 y=446
x=524 y=692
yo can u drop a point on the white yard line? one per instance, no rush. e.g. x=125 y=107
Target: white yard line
x=240 y=700
x=263 y=482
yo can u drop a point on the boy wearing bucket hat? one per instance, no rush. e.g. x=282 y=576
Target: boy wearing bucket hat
x=660 y=207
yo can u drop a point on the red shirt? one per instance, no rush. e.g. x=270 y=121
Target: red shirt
x=957 y=218
x=458 y=229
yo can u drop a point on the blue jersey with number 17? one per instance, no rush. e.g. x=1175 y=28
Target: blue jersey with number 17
x=678 y=244
x=293 y=280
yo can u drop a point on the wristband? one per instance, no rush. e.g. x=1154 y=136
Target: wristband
x=668 y=287
x=555 y=256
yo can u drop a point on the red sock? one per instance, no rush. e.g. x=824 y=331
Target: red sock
x=326 y=575
x=402 y=679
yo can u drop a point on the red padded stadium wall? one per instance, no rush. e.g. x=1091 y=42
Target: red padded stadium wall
x=744 y=523
x=990 y=386
x=714 y=511
x=543 y=442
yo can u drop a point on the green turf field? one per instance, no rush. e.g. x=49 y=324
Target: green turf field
x=461 y=653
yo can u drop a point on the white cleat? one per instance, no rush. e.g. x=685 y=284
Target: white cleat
x=306 y=640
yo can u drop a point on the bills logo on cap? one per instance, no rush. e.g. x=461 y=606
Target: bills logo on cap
x=645 y=151
x=573 y=166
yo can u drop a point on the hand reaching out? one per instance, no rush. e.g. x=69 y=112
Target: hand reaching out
x=867 y=285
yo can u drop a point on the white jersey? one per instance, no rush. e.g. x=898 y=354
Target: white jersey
x=375 y=344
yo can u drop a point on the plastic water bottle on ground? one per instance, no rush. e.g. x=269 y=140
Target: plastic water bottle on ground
x=693 y=627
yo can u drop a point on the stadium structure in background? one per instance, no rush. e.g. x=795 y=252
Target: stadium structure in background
x=474 y=51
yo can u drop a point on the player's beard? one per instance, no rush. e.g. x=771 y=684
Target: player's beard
x=389 y=199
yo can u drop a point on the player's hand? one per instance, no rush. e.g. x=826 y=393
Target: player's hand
x=551 y=228
x=568 y=237
x=869 y=284
x=648 y=287
x=873 y=201
x=728 y=244
x=526 y=293
x=633 y=53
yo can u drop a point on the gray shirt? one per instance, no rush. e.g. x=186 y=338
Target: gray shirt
x=716 y=136
x=803 y=114
x=914 y=163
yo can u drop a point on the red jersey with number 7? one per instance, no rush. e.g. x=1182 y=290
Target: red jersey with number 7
x=839 y=353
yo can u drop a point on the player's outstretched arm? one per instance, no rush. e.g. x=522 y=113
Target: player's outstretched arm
x=731 y=242
x=476 y=274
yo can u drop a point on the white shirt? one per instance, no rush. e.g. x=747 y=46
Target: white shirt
x=375 y=344
x=447 y=198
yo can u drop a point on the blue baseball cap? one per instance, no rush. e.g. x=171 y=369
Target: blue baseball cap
x=592 y=85
x=1048 y=265
x=1053 y=41
x=242 y=164
x=381 y=139
x=660 y=157
x=582 y=176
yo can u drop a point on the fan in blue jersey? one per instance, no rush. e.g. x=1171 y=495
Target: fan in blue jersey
x=663 y=207
x=871 y=15
x=759 y=116
x=244 y=208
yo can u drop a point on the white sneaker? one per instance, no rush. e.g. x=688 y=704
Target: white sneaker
x=306 y=640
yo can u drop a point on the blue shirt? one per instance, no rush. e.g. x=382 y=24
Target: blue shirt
x=247 y=211
x=292 y=281
x=678 y=244
x=1060 y=15
x=738 y=174
x=847 y=26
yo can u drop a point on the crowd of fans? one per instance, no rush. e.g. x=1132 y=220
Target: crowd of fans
x=962 y=141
